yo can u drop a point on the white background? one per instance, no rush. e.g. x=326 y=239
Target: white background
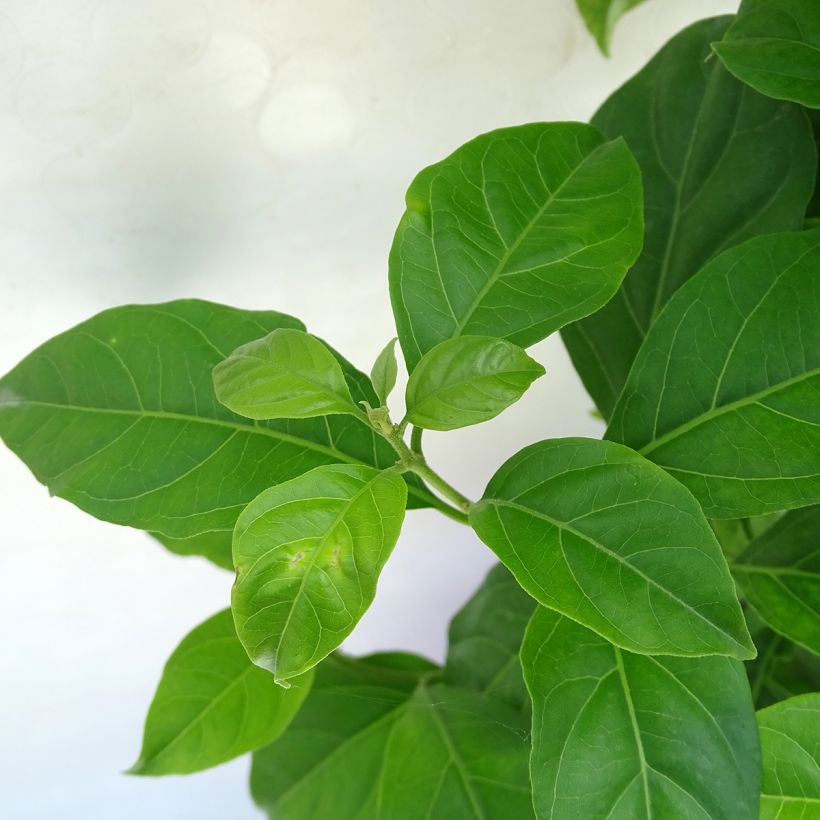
x=252 y=152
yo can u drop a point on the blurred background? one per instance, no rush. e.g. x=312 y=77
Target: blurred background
x=256 y=153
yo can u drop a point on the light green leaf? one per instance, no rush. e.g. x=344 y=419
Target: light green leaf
x=485 y=637
x=212 y=704
x=384 y=373
x=774 y=46
x=601 y=16
x=468 y=380
x=514 y=235
x=725 y=392
x=635 y=737
x=781 y=669
x=696 y=132
x=215 y=546
x=118 y=415
x=594 y=531
x=287 y=375
x=779 y=573
x=789 y=733
x=327 y=763
x=308 y=554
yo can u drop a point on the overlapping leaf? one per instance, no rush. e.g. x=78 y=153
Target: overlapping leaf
x=635 y=737
x=781 y=670
x=720 y=164
x=514 y=235
x=215 y=546
x=601 y=16
x=725 y=392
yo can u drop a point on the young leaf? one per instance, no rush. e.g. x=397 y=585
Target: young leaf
x=779 y=574
x=594 y=531
x=287 y=375
x=791 y=758
x=308 y=554
x=468 y=380
x=601 y=16
x=327 y=763
x=515 y=234
x=634 y=736
x=384 y=373
x=212 y=704
x=725 y=392
x=485 y=637
x=781 y=670
x=215 y=546
x=696 y=133
x=774 y=46
x=118 y=415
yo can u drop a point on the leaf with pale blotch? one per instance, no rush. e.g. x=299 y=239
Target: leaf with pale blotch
x=308 y=554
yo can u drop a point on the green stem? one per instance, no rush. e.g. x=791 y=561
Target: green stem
x=415 y=440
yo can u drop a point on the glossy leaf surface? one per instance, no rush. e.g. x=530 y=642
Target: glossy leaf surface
x=635 y=737
x=601 y=17
x=384 y=372
x=288 y=374
x=514 y=235
x=730 y=406
x=591 y=529
x=468 y=380
x=774 y=46
x=308 y=554
x=212 y=704
x=720 y=164
x=790 y=745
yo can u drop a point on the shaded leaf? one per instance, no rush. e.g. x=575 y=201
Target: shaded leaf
x=601 y=16
x=384 y=373
x=215 y=546
x=781 y=669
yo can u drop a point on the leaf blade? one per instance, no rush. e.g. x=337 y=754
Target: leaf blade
x=385 y=371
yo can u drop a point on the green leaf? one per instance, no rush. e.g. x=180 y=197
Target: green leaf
x=289 y=374
x=636 y=737
x=215 y=546
x=789 y=733
x=485 y=637
x=779 y=573
x=308 y=554
x=594 y=531
x=725 y=392
x=601 y=16
x=696 y=133
x=514 y=235
x=813 y=210
x=781 y=670
x=774 y=46
x=118 y=415
x=327 y=763
x=212 y=704
x=468 y=380
x=384 y=373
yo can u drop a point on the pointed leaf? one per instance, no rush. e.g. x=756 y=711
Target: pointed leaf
x=308 y=554
x=213 y=704
x=384 y=373
x=601 y=16
x=634 y=737
x=514 y=235
x=725 y=392
x=696 y=132
x=591 y=529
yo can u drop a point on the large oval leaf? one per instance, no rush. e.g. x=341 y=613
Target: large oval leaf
x=593 y=530
x=725 y=392
x=774 y=46
x=212 y=704
x=633 y=737
x=789 y=733
x=514 y=235
x=308 y=554
x=696 y=133
x=118 y=415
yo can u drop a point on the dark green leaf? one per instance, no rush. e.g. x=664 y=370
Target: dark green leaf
x=779 y=574
x=813 y=211
x=288 y=374
x=215 y=546
x=635 y=737
x=485 y=637
x=468 y=380
x=789 y=733
x=514 y=235
x=781 y=669
x=384 y=373
x=601 y=16
x=119 y=416
x=720 y=164
x=593 y=530
x=308 y=554
x=774 y=46
x=725 y=392
x=213 y=704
